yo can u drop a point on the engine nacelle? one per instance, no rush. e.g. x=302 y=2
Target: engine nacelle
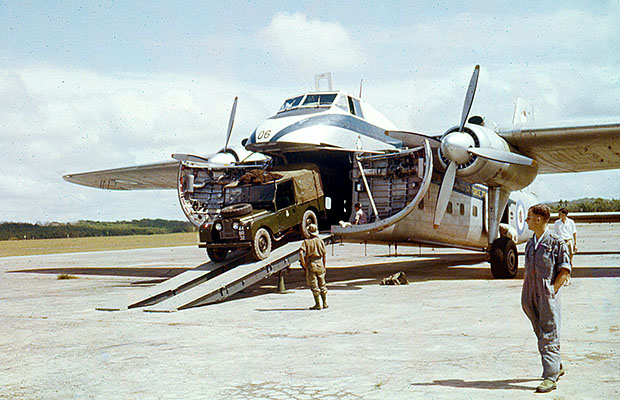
x=491 y=173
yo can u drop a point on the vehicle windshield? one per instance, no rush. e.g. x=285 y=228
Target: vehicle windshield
x=310 y=100
x=257 y=195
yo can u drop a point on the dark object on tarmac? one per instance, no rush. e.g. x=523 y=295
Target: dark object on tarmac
x=398 y=278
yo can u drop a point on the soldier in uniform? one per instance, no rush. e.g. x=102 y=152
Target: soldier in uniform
x=547 y=267
x=312 y=258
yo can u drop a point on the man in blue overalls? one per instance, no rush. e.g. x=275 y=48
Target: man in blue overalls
x=547 y=267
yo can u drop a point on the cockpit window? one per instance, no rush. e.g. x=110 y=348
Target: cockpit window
x=310 y=100
x=318 y=100
x=291 y=103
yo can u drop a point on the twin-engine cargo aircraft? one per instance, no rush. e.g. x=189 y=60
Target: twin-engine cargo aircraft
x=463 y=189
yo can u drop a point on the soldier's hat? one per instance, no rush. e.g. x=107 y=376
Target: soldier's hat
x=312 y=230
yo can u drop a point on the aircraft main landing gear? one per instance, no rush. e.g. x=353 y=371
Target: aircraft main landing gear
x=504 y=258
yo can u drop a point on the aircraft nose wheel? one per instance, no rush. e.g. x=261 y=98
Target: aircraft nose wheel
x=504 y=258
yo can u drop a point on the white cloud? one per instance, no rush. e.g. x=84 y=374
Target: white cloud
x=55 y=121
x=304 y=46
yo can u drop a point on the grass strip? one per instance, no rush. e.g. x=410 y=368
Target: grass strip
x=9 y=248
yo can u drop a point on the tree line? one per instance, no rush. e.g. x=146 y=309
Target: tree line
x=54 y=230
x=587 y=205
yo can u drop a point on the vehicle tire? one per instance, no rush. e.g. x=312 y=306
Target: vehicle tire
x=217 y=255
x=504 y=258
x=308 y=218
x=236 y=210
x=261 y=244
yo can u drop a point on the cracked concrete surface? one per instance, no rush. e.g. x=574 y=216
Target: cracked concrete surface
x=452 y=333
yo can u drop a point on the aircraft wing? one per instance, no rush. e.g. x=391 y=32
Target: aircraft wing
x=568 y=149
x=152 y=176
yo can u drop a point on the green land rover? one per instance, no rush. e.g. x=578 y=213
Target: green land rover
x=270 y=206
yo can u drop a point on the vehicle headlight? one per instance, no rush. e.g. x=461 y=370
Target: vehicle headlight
x=235 y=225
x=218 y=226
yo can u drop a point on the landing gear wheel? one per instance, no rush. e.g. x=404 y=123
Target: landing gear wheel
x=504 y=258
x=308 y=218
x=261 y=245
x=217 y=255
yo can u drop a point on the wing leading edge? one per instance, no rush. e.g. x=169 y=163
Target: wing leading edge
x=151 y=176
x=568 y=149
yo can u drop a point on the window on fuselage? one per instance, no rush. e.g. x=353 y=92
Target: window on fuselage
x=474 y=211
x=462 y=209
x=355 y=108
x=449 y=209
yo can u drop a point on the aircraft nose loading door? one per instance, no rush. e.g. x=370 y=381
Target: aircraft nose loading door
x=389 y=187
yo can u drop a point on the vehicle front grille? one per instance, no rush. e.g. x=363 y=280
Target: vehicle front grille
x=228 y=232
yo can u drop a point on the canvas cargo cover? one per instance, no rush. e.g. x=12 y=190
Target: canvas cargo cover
x=306 y=180
x=307 y=184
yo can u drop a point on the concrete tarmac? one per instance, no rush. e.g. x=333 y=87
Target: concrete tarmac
x=453 y=333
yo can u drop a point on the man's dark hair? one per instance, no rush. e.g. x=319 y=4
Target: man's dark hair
x=542 y=210
x=563 y=210
x=356 y=205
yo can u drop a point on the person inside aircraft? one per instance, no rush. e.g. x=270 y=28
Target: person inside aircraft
x=360 y=216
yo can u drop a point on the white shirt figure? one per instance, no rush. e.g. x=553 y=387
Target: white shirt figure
x=360 y=216
x=565 y=230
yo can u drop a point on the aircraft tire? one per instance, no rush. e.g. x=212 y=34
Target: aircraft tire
x=308 y=218
x=217 y=255
x=504 y=258
x=236 y=210
x=261 y=245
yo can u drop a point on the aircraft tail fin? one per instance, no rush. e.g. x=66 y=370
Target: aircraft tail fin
x=524 y=112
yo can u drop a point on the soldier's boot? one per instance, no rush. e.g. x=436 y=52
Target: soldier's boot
x=324 y=297
x=317 y=304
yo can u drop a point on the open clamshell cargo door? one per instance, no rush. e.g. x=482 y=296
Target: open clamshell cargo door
x=389 y=187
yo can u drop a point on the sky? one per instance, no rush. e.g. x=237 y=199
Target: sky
x=96 y=85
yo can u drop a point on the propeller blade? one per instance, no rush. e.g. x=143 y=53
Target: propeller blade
x=413 y=139
x=469 y=98
x=231 y=121
x=444 y=193
x=502 y=156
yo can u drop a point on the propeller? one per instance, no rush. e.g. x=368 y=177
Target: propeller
x=502 y=156
x=455 y=147
x=214 y=158
x=231 y=121
x=458 y=148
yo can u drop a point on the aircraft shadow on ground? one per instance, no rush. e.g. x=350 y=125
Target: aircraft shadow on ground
x=441 y=267
x=506 y=384
x=435 y=268
x=444 y=267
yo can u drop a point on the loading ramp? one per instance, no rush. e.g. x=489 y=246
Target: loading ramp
x=213 y=282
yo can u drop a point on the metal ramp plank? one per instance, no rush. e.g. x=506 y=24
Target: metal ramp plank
x=177 y=283
x=189 y=279
x=232 y=281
